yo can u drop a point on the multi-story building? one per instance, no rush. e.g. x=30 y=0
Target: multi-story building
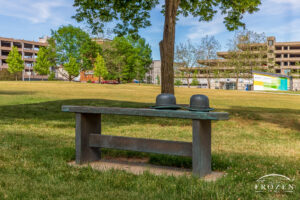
x=282 y=58
x=153 y=75
x=28 y=50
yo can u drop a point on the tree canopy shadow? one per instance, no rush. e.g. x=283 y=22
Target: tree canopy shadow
x=280 y=116
x=51 y=110
x=16 y=92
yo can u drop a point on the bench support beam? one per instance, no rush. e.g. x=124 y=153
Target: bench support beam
x=86 y=124
x=141 y=144
x=201 y=147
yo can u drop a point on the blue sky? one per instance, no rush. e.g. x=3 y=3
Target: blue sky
x=31 y=19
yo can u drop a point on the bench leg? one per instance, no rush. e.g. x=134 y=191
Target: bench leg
x=86 y=124
x=201 y=147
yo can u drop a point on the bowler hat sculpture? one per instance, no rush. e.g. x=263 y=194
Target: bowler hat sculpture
x=166 y=101
x=200 y=103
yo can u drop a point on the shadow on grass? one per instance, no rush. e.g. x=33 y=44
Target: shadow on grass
x=51 y=110
x=278 y=116
x=16 y=93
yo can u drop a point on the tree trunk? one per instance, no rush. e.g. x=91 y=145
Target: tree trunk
x=208 y=75
x=237 y=83
x=16 y=77
x=208 y=78
x=99 y=80
x=167 y=47
x=188 y=81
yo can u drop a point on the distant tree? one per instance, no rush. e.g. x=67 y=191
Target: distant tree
x=186 y=58
x=195 y=81
x=124 y=59
x=132 y=15
x=158 y=79
x=100 y=69
x=246 y=53
x=15 y=62
x=51 y=52
x=143 y=57
x=177 y=82
x=43 y=64
x=72 y=67
x=209 y=46
x=298 y=70
x=88 y=52
x=73 y=42
x=127 y=58
x=114 y=61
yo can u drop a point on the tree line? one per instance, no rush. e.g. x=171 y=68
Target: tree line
x=131 y=16
x=123 y=58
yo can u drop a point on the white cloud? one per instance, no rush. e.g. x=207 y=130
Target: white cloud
x=292 y=2
x=158 y=7
x=278 y=7
x=290 y=31
x=34 y=11
x=279 y=18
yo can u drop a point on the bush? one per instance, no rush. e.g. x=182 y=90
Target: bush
x=6 y=76
x=51 y=76
x=178 y=82
x=89 y=81
x=195 y=82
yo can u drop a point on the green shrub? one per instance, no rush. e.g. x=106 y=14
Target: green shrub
x=51 y=76
x=178 y=82
x=195 y=82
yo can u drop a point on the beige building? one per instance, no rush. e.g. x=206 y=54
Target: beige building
x=284 y=57
x=28 y=50
x=276 y=57
x=153 y=75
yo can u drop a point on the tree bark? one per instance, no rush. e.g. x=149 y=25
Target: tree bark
x=208 y=78
x=188 y=81
x=167 y=47
x=208 y=73
x=237 y=82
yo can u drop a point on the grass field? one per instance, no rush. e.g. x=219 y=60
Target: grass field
x=37 y=141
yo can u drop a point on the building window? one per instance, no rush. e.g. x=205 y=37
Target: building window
x=270 y=42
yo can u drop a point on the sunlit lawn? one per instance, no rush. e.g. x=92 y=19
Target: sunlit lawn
x=37 y=140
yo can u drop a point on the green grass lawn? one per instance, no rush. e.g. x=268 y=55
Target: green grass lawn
x=37 y=141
